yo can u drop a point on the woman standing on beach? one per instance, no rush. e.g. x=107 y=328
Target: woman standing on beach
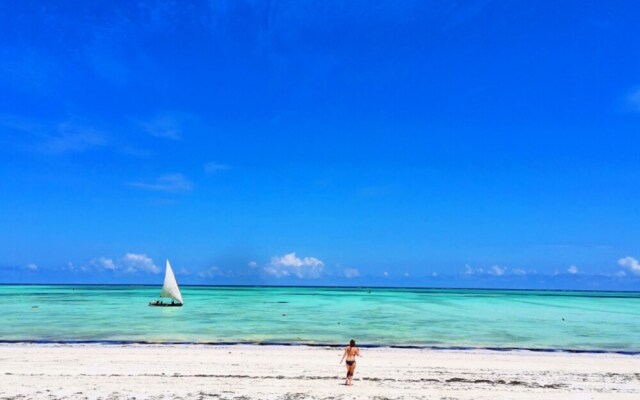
x=350 y=353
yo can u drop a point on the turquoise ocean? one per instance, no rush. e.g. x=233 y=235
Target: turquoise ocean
x=432 y=318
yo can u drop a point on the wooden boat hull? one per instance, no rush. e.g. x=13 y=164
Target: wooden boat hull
x=154 y=304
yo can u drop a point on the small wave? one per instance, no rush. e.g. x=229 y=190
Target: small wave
x=329 y=345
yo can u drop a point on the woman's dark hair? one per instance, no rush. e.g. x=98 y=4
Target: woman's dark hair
x=352 y=343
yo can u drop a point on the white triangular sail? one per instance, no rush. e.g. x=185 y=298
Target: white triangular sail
x=170 y=287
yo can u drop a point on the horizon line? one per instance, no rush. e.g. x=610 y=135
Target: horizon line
x=327 y=287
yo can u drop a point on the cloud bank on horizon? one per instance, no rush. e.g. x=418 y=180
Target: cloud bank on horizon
x=290 y=269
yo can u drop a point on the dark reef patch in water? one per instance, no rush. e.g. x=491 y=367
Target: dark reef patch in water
x=331 y=345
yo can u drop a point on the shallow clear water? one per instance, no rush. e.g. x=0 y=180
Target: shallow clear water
x=607 y=321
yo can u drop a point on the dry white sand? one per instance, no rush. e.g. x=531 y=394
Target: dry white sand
x=274 y=372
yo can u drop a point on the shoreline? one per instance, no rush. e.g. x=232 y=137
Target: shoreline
x=154 y=371
x=320 y=345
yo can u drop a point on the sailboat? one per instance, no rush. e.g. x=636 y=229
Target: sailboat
x=169 y=290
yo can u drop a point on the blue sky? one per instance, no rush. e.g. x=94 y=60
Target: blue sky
x=427 y=143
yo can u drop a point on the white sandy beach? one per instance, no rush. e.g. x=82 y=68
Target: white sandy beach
x=281 y=372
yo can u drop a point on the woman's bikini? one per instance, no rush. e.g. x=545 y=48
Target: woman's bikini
x=351 y=353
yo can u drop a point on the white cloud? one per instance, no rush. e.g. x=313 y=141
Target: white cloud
x=131 y=263
x=139 y=263
x=494 y=270
x=497 y=270
x=212 y=167
x=31 y=267
x=291 y=260
x=73 y=268
x=385 y=273
x=630 y=263
x=104 y=263
x=291 y=265
x=351 y=273
x=519 y=272
x=252 y=264
x=572 y=270
x=469 y=270
x=166 y=183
